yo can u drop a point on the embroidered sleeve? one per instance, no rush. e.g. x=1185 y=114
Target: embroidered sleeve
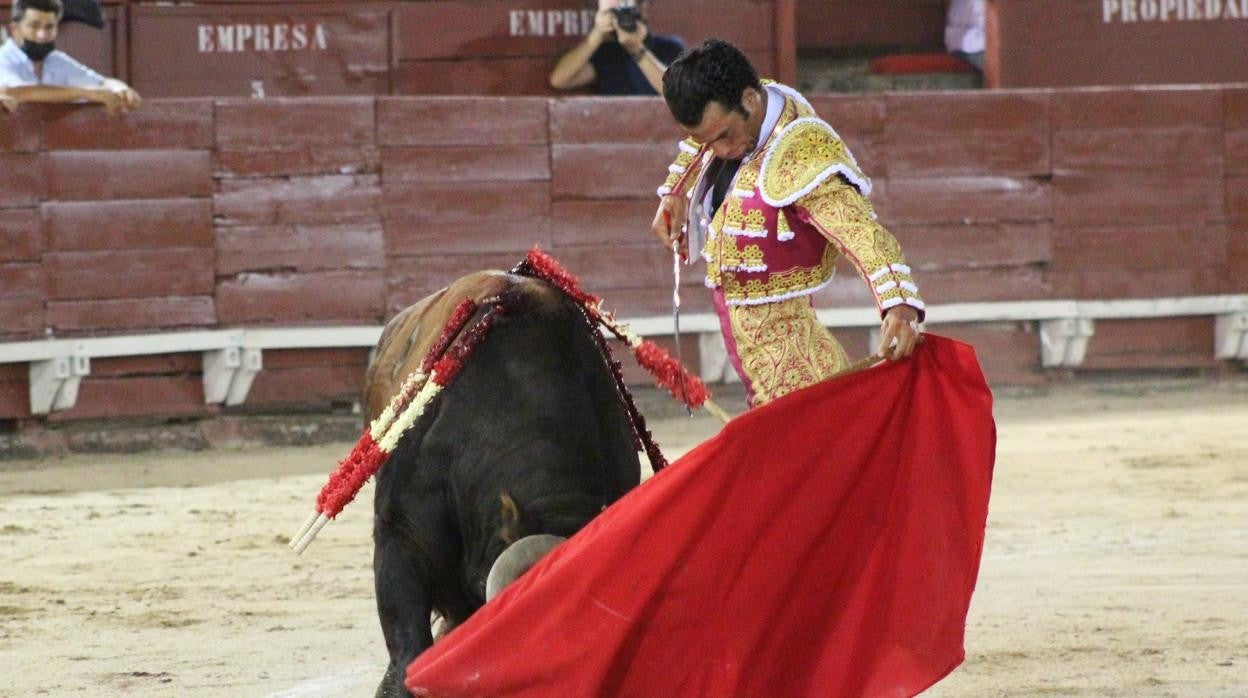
x=845 y=217
x=683 y=170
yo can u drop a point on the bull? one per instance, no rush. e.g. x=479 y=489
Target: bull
x=530 y=442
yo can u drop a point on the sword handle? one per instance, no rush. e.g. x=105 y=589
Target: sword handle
x=676 y=238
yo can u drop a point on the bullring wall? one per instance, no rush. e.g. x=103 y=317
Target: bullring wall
x=330 y=211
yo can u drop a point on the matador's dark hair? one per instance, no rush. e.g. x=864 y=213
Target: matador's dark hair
x=716 y=71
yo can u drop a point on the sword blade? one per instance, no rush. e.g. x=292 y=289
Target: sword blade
x=684 y=391
x=680 y=359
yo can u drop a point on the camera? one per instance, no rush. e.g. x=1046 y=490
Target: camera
x=626 y=18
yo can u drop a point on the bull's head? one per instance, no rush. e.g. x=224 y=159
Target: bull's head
x=522 y=551
x=517 y=559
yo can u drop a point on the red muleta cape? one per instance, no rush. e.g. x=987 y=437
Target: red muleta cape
x=824 y=544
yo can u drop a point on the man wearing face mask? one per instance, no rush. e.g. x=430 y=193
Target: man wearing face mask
x=620 y=55
x=771 y=196
x=33 y=70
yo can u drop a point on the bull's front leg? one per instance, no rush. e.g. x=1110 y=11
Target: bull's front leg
x=403 y=606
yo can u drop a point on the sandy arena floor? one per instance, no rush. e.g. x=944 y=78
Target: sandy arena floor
x=1116 y=562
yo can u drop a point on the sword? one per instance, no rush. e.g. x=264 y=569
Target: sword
x=684 y=391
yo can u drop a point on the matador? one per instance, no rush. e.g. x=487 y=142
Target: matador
x=772 y=197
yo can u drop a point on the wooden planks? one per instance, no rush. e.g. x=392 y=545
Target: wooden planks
x=343 y=210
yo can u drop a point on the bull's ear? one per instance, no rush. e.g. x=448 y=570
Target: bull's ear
x=509 y=513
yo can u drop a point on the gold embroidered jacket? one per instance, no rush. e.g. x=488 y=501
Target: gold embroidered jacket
x=794 y=206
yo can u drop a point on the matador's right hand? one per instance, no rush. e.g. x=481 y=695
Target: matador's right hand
x=669 y=222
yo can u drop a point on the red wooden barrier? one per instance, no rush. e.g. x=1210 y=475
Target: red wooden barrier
x=1236 y=165
x=1144 y=169
x=313 y=47
x=508 y=47
x=194 y=213
x=847 y=24
x=261 y=50
x=1052 y=43
x=296 y=208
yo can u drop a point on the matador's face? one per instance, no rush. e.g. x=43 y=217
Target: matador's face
x=730 y=134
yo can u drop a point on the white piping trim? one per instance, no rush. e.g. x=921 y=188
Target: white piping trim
x=686 y=148
x=863 y=183
x=908 y=286
x=781 y=297
x=663 y=191
x=743 y=267
x=886 y=286
x=743 y=233
x=894 y=302
x=785 y=235
x=889 y=269
x=743 y=193
x=675 y=169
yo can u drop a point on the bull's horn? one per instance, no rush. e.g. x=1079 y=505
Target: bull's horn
x=516 y=559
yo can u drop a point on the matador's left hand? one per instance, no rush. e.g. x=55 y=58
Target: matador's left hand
x=901 y=323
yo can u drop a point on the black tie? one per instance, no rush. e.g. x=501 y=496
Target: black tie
x=723 y=179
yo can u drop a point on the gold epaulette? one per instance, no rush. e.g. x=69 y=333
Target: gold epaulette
x=805 y=154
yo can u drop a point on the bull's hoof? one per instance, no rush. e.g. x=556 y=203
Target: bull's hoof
x=391 y=684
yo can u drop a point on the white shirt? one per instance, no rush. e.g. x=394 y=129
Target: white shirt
x=964 y=26
x=17 y=70
x=775 y=105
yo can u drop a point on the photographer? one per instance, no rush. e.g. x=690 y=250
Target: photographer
x=620 y=54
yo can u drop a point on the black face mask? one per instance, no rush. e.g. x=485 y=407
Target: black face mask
x=37 y=52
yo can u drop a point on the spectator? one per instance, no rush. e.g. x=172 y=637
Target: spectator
x=32 y=70
x=964 y=31
x=620 y=54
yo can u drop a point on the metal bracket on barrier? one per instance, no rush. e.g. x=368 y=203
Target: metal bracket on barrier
x=1064 y=341
x=1231 y=337
x=54 y=382
x=228 y=374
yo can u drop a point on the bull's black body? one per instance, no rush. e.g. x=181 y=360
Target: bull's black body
x=533 y=415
